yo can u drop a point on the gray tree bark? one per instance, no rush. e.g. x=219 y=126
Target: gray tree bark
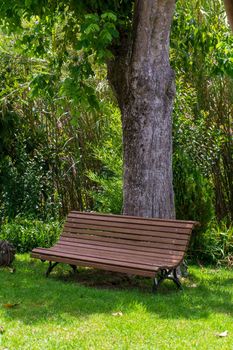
x=144 y=84
x=229 y=10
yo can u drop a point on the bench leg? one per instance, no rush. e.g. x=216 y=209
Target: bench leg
x=166 y=274
x=155 y=285
x=50 y=268
x=162 y=274
x=176 y=279
x=182 y=269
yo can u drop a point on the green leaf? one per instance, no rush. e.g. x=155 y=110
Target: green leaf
x=109 y=16
x=92 y=28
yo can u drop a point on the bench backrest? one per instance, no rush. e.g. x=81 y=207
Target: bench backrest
x=165 y=237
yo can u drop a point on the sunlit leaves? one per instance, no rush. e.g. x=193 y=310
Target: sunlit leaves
x=201 y=52
x=97 y=33
x=203 y=34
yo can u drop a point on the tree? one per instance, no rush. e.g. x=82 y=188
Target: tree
x=229 y=10
x=142 y=78
x=132 y=37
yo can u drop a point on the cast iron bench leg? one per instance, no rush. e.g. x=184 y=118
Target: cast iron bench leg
x=50 y=268
x=176 y=280
x=155 y=285
x=162 y=275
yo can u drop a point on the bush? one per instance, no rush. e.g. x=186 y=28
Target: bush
x=27 y=234
x=193 y=192
x=215 y=244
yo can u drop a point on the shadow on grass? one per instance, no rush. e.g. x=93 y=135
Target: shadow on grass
x=91 y=291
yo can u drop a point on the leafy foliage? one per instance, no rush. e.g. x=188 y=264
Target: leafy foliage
x=46 y=140
x=27 y=234
x=193 y=193
x=107 y=191
x=216 y=244
x=201 y=52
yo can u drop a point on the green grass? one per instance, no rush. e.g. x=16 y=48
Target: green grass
x=76 y=312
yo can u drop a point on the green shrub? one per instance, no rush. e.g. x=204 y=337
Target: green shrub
x=215 y=244
x=26 y=185
x=27 y=234
x=193 y=193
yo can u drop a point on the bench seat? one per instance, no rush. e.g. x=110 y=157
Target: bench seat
x=133 y=245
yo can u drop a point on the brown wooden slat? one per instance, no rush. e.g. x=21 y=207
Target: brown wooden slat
x=106 y=251
x=130 y=248
x=101 y=224
x=119 y=249
x=95 y=259
x=96 y=265
x=158 y=240
x=133 y=219
x=97 y=254
x=83 y=229
x=90 y=227
x=138 y=245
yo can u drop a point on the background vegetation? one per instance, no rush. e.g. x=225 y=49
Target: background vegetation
x=60 y=128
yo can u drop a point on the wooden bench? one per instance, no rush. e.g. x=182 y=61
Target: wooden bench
x=128 y=244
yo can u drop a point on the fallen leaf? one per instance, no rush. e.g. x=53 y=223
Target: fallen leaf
x=2 y=330
x=10 y=306
x=119 y=313
x=223 y=334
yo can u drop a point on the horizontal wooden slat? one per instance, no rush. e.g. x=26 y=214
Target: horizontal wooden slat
x=131 y=248
x=141 y=245
x=133 y=219
x=96 y=259
x=95 y=264
x=158 y=240
x=91 y=229
x=113 y=256
x=108 y=251
x=101 y=224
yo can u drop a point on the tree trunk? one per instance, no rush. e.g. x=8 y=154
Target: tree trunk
x=229 y=10
x=144 y=84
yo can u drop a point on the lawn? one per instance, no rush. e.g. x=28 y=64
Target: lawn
x=99 y=310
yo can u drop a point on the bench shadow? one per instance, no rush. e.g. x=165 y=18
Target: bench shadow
x=93 y=291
